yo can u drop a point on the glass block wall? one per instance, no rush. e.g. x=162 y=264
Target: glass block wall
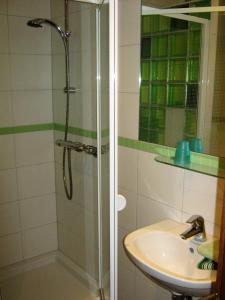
x=170 y=65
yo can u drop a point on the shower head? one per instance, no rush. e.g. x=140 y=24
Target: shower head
x=38 y=23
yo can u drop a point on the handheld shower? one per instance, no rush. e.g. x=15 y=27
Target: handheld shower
x=38 y=23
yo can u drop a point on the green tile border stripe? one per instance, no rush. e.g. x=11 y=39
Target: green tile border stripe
x=51 y=126
x=199 y=158
x=204 y=159
x=26 y=128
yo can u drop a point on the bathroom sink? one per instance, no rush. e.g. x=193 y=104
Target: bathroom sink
x=160 y=253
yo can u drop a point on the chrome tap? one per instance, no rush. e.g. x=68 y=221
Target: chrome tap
x=197 y=229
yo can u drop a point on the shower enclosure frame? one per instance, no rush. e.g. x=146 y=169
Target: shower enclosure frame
x=113 y=145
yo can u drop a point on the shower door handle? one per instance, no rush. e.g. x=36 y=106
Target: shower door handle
x=121 y=202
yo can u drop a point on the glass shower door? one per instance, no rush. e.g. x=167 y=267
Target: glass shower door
x=84 y=222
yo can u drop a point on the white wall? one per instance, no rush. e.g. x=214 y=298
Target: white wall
x=27 y=187
x=154 y=191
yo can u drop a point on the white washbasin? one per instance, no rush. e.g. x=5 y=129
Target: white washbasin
x=159 y=251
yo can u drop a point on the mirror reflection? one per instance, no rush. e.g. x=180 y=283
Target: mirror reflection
x=182 y=88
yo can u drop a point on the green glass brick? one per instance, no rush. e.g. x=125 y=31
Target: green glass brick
x=154 y=24
x=145 y=70
x=145 y=24
x=146 y=47
x=164 y=24
x=178 y=44
x=143 y=134
x=191 y=123
x=158 y=94
x=144 y=117
x=177 y=70
x=176 y=95
x=158 y=70
x=195 y=25
x=157 y=118
x=194 y=43
x=193 y=69
x=157 y=137
x=144 y=94
x=159 y=46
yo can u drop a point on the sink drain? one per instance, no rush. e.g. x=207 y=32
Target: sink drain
x=191 y=250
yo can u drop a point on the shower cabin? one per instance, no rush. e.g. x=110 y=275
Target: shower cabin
x=57 y=165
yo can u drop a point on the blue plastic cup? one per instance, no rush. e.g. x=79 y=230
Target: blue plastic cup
x=196 y=145
x=182 y=154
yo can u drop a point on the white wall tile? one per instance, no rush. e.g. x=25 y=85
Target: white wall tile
x=160 y=182
x=3 y=6
x=88 y=27
x=26 y=39
x=6 y=115
x=123 y=258
x=127 y=217
x=5 y=72
x=66 y=240
x=8 y=186
x=39 y=240
x=201 y=200
x=4 y=46
x=129 y=65
x=129 y=115
x=150 y=211
x=75 y=217
x=38 y=211
x=87 y=105
x=57 y=8
x=58 y=71
x=34 y=148
x=126 y=283
x=10 y=249
x=36 y=180
x=59 y=106
x=29 y=8
x=32 y=107
x=9 y=218
x=77 y=40
x=56 y=41
x=129 y=23
x=31 y=72
x=86 y=191
x=127 y=173
x=147 y=290
x=7 y=152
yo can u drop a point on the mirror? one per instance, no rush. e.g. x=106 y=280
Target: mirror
x=182 y=89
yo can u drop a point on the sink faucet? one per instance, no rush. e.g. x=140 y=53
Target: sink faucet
x=197 y=229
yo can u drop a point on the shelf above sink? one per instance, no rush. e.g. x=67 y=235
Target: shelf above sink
x=216 y=170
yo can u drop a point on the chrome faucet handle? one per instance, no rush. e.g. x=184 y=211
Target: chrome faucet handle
x=196 y=219
x=198 y=227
